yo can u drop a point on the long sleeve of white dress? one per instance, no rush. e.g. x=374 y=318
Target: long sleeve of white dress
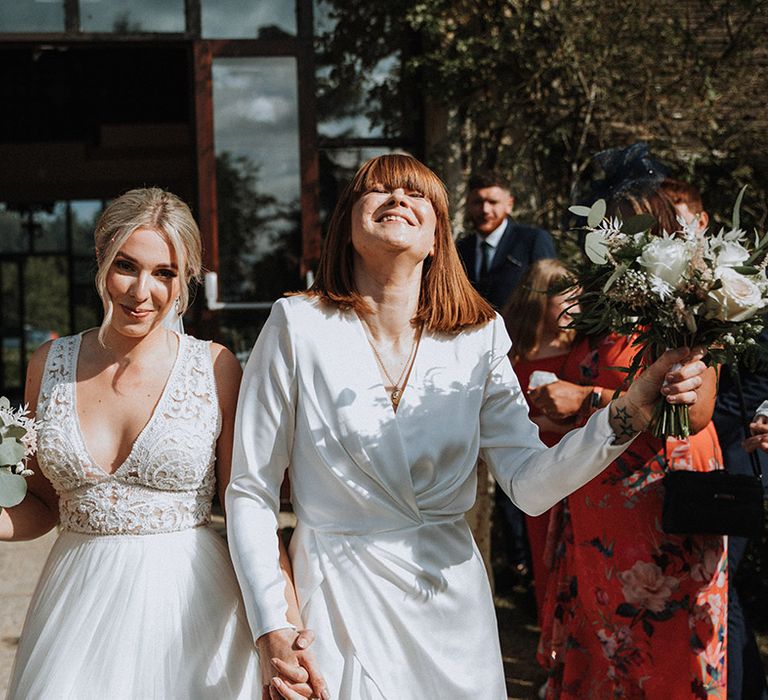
x=261 y=454
x=384 y=564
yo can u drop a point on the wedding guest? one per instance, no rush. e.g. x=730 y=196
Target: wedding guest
x=632 y=611
x=540 y=347
x=138 y=598
x=376 y=390
x=746 y=678
x=686 y=198
x=496 y=254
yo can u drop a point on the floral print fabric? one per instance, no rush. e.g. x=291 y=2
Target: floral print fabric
x=632 y=612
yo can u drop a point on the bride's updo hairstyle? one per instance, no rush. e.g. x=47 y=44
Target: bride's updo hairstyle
x=447 y=302
x=155 y=209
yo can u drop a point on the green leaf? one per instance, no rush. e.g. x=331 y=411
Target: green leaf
x=596 y=213
x=737 y=208
x=13 y=431
x=11 y=452
x=13 y=488
x=594 y=247
x=4 y=403
x=618 y=272
x=746 y=269
x=579 y=210
x=638 y=223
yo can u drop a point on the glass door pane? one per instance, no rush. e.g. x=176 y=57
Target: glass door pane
x=31 y=16
x=257 y=176
x=130 y=16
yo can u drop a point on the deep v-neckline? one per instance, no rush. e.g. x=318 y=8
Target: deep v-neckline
x=150 y=421
x=378 y=373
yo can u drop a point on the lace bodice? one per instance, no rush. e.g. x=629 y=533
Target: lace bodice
x=167 y=481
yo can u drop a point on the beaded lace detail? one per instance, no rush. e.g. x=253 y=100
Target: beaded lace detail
x=167 y=481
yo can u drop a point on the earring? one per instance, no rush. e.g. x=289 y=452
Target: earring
x=177 y=306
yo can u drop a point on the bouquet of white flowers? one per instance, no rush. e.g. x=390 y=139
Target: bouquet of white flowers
x=671 y=290
x=18 y=441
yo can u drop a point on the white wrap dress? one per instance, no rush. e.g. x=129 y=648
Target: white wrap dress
x=386 y=569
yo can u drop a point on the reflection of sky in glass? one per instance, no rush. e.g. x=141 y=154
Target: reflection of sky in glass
x=11 y=236
x=242 y=19
x=256 y=115
x=31 y=15
x=355 y=124
x=51 y=231
x=84 y=215
x=132 y=15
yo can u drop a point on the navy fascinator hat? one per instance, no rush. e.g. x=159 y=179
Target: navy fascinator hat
x=629 y=169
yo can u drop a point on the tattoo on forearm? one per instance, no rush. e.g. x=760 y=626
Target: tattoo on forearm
x=623 y=420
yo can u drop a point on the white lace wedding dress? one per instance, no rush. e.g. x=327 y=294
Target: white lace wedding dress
x=138 y=599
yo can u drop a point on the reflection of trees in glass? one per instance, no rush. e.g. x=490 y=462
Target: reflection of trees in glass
x=47 y=293
x=360 y=54
x=259 y=237
x=123 y=24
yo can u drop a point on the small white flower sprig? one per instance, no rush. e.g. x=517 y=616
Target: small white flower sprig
x=18 y=442
x=681 y=288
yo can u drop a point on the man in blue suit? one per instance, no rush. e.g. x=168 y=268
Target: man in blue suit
x=496 y=256
x=499 y=251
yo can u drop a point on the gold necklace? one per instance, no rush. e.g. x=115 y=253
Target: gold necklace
x=397 y=387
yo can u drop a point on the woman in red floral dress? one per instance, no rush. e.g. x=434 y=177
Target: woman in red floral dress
x=633 y=612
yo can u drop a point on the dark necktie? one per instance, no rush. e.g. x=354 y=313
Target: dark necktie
x=486 y=251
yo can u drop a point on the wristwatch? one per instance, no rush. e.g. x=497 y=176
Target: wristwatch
x=595 y=398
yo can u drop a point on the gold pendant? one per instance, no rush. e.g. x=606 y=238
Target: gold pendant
x=396 y=395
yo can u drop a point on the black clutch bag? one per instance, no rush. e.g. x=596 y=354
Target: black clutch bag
x=717 y=502
x=712 y=503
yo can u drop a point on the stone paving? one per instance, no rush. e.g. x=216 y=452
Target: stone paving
x=20 y=566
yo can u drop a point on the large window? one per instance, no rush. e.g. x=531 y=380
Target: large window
x=31 y=16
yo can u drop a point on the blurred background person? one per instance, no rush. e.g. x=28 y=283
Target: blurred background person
x=496 y=254
x=536 y=319
x=630 y=610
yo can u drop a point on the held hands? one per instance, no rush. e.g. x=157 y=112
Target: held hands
x=682 y=369
x=288 y=669
x=759 y=440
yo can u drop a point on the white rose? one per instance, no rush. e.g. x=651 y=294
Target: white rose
x=731 y=254
x=738 y=299
x=666 y=258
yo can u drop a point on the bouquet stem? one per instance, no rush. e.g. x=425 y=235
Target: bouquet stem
x=670 y=420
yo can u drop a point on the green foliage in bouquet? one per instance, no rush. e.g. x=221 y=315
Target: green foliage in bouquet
x=18 y=440
x=681 y=288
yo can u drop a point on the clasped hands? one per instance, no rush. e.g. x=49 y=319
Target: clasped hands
x=288 y=668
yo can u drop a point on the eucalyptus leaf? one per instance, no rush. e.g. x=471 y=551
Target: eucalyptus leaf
x=595 y=248
x=4 y=403
x=13 y=431
x=618 y=272
x=638 y=223
x=746 y=270
x=11 y=452
x=596 y=213
x=13 y=488
x=737 y=208
x=579 y=210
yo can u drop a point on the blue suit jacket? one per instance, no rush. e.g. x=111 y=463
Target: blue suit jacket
x=518 y=248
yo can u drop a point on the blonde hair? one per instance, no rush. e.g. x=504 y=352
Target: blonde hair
x=447 y=302
x=155 y=209
x=526 y=308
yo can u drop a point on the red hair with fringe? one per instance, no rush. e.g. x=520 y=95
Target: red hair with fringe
x=448 y=302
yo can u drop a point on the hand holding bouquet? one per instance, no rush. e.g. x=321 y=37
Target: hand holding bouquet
x=18 y=441
x=672 y=290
